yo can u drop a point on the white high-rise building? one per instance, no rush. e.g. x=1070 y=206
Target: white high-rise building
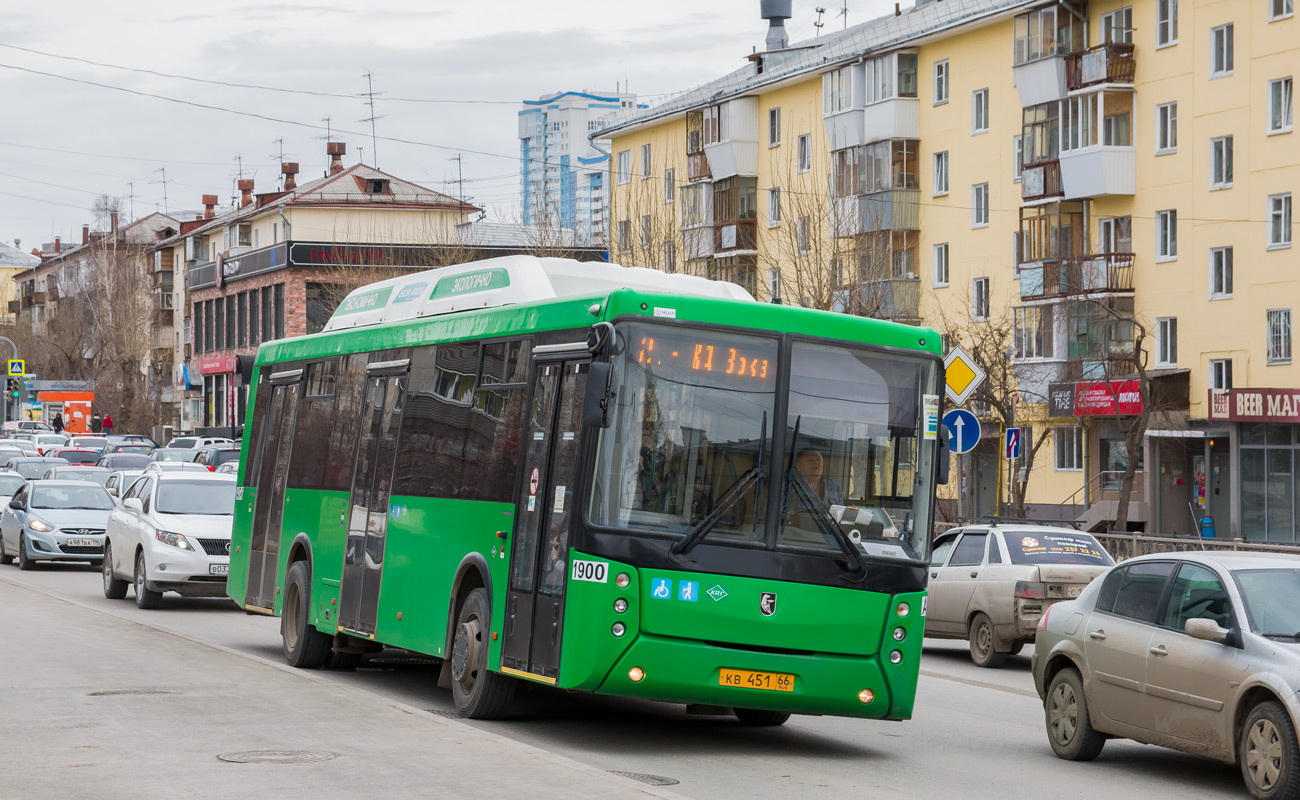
x=562 y=173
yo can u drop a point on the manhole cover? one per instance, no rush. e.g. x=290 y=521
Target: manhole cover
x=653 y=780
x=277 y=756
x=406 y=661
x=114 y=692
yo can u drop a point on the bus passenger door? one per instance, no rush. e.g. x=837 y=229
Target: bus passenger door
x=372 y=479
x=273 y=461
x=539 y=559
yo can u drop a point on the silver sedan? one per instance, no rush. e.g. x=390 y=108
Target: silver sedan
x=1195 y=651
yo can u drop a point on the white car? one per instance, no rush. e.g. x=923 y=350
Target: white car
x=26 y=445
x=96 y=443
x=195 y=442
x=49 y=442
x=120 y=481
x=170 y=533
x=176 y=466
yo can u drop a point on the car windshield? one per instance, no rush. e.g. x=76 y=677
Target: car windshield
x=170 y=454
x=1272 y=600
x=184 y=442
x=90 y=441
x=1049 y=547
x=196 y=497
x=128 y=461
x=35 y=469
x=10 y=484
x=87 y=496
x=691 y=443
x=99 y=476
x=141 y=449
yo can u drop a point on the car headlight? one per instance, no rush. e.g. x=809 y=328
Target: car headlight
x=38 y=525
x=173 y=539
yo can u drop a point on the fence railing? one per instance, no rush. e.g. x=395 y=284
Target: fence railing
x=1123 y=546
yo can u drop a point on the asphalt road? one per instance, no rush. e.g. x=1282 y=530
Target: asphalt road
x=976 y=733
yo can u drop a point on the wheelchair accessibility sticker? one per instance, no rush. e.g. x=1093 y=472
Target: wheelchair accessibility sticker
x=661 y=588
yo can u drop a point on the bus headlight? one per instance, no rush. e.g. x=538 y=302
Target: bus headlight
x=620 y=605
x=896 y=657
x=866 y=696
x=904 y=609
x=636 y=674
x=622 y=580
x=899 y=634
x=619 y=629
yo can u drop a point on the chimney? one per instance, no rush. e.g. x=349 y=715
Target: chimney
x=58 y=244
x=209 y=206
x=336 y=152
x=112 y=221
x=776 y=12
x=246 y=187
x=289 y=169
x=85 y=234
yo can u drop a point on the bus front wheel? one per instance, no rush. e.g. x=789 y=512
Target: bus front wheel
x=478 y=692
x=304 y=646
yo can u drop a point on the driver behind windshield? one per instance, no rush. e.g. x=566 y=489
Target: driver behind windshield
x=810 y=465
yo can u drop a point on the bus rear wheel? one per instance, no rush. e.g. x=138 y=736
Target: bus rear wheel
x=478 y=692
x=757 y=718
x=304 y=646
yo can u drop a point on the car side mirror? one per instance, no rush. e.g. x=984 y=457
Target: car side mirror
x=133 y=503
x=595 y=406
x=1207 y=630
x=16 y=505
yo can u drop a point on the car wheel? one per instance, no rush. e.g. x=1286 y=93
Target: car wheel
x=983 y=647
x=756 y=718
x=1069 y=728
x=114 y=587
x=144 y=596
x=5 y=558
x=24 y=561
x=1268 y=754
x=478 y=692
x=304 y=646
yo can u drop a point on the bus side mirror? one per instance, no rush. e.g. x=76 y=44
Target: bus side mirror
x=944 y=456
x=595 y=406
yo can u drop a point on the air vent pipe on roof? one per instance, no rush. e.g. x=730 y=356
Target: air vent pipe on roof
x=776 y=12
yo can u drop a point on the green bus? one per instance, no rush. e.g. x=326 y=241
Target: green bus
x=604 y=479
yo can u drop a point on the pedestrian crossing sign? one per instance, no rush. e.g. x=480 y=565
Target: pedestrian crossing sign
x=17 y=367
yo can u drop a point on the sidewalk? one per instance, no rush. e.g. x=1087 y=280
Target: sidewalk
x=94 y=706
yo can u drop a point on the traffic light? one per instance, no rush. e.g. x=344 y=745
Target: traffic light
x=14 y=385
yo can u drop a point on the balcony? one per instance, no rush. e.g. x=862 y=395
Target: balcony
x=697 y=166
x=899 y=118
x=897 y=299
x=890 y=210
x=52 y=293
x=1041 y=181
x=1040 y=81
x=1105 y=63
x=735 y=235
x=1099 y=171
x=697 y=242
x=15 y=306
x=1105 y=272
x=731 y=138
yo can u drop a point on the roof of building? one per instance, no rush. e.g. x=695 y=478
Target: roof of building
x=821 y=53
x=506 y=234
x=13 y=258
x=140 y=232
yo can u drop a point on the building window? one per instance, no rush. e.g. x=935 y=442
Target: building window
x=1279 y=336
x=1279 y=105
x=645 y=232
x=244 y=234
x=801 y=236
x=941 y=265
x=773 y=127
x=1221 y=163
x=1166 y=22
x=1068 y=440
x=1220 y=273
x=1032 y=329
x=773 y=207
x=979 y=202
x=1166 y=235
x=1280 y=9
x=1166 y=128
x=774 y=284
x=624 y=167
x=1117 y=26
x=1221 y=51
x=1017 y=157
x=979 y=111
x=805 y=152
x=241 y=327
x=1166 y=341
x=645 y=161
x=1279 y=221
x=941 y=82
x=254 y=324
x=979 y=300
x=624 y=236
x=670 y=256
x=1117 y=235
x=1221 y=373
x=941 y=173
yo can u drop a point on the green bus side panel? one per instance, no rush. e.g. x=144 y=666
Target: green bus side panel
x=590 y=649
x=241 y=535
x=318 y=514
x=426 y=543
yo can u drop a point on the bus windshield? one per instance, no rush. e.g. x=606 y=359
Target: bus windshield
x=692 y=434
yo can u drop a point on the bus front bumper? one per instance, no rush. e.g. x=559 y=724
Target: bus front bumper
x=684 y=671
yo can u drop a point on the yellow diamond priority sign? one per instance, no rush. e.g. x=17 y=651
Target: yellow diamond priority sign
x=962 y=375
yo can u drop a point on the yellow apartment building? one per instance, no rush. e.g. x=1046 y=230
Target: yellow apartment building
x=1099 y=196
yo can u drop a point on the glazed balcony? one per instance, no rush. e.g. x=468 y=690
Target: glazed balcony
x=1041 y=181
x=1105 y=272
x=1102 y=64
x=890 y=210
x=896 y=299
x=1099 y=171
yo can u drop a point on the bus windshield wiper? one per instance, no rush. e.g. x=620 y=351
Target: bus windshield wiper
x=819 y=513
x=729 y=499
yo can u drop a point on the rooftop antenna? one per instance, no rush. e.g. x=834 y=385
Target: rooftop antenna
x=818 y=24
x=370 y=102
x=163 y=181
x=460 y=177
x=130 y=185
x=844 y=12
x=239 y=176
x=280 y=141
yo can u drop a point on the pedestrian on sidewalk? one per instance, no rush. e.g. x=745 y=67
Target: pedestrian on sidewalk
x=96 y=424
x=58 y=423
x=108 y=423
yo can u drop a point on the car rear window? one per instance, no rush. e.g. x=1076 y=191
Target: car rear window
x=75 y=457
x=128 y=461
x=222 y=456
x=1050 y=547
x=183 y=443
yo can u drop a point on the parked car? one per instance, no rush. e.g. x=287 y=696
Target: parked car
x=77 y=472
x=75 y=455
x=130 y=438
x=124 y=461
x=120 y=480
x=195 y=442
x=990 y=584
x=54 y=521
x=174 y=454
x=214 y=455
x=127 y=447
x=45 y=442
x=178 y=519
x=32 y=468
x=1197 y=651
x=26 y=445
x=31 y=426
x=175 y=466
x=228 y=468
x=82 y=442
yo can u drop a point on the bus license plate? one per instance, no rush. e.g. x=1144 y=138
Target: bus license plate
x=218 y=569
x=746 y=679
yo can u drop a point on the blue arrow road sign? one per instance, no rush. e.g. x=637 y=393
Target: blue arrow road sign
x=963 y=430
x=1012 y=449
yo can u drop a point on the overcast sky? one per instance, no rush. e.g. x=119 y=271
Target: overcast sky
x=62 y=142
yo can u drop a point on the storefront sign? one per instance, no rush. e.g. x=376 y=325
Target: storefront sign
x=1255 y=405
x=326 y=254
x=212 y=366
x=1101 y=399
